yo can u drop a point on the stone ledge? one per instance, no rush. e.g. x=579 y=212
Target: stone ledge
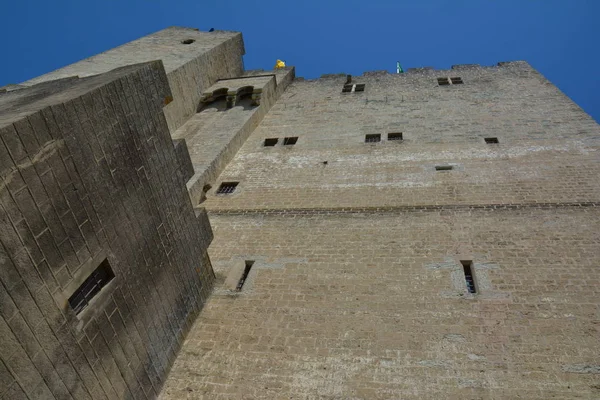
x=400 y=209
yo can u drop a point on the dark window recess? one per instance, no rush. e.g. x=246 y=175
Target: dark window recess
x=188 y=41
x=271 y=142
x=91 y=287
x=290 y=141
x=469 y=277
x=443 y=167
x=443 y=81
x=456 y=81
x=395 y=136
x=242 y=280
x=373 y=138
x=491 y=140
x=358 y=87
x=205 y=189
x=227 y=187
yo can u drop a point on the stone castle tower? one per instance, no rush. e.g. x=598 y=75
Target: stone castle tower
x=173 y=226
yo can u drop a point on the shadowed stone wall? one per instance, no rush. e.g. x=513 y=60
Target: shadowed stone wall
x=89 y=174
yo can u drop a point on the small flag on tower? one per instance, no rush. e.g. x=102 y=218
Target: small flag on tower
x=399 y=69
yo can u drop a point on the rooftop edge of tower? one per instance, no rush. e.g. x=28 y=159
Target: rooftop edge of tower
x=520 y=64
x=175 y=46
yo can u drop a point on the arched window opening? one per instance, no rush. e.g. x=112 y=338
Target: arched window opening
x=217 y=100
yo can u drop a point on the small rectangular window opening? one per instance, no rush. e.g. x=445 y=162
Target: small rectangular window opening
x=443 y=167
x=443 y=81
x=98 y=279
x=491 y=140
x=469 y=277
x=395 y=136
x=227 y=187
x=456 y=81
x=373 y=138
x=271 y=142
x=290 y=141
x=347 y=88
x=249 y=264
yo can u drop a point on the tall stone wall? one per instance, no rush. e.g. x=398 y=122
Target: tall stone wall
x=547 y=149
x=89 y=176
x=372 y=305
x=339 y=262
x=357 y=290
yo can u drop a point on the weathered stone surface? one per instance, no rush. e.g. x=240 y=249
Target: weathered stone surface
x=358 y=287
x=216 y=133
x=357 y=290
x=98 y=178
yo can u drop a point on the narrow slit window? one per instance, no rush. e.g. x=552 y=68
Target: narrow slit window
x=373 y=138
x=443 y=81
x=395 y=136
x=94 y=283
x=271 y=142
x=491 y=140
x=242 y=280
x=227 y=187
x=290 y=141
x=469 y=276
x=456 y=81
x=443 y=167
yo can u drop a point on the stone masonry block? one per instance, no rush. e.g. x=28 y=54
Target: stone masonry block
x=9 y=343
x=6 y=378
x=6 y=162
x=29 y=242
x=13 y=142
x=24 y=334
x=27 y=306
x=15 y=392
x=42 y=392
x=7 y=305
x=40 y=129
x=9 y=275
x=27 y=136
x=30 y=275
x=24 y=370
x=30 y=211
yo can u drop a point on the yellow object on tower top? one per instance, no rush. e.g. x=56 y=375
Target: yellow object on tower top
x=279 y=64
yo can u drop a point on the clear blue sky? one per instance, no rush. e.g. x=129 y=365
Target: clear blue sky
x=558 y=37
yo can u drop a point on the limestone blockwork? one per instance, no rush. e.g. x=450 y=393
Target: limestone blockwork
x=431 y=234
